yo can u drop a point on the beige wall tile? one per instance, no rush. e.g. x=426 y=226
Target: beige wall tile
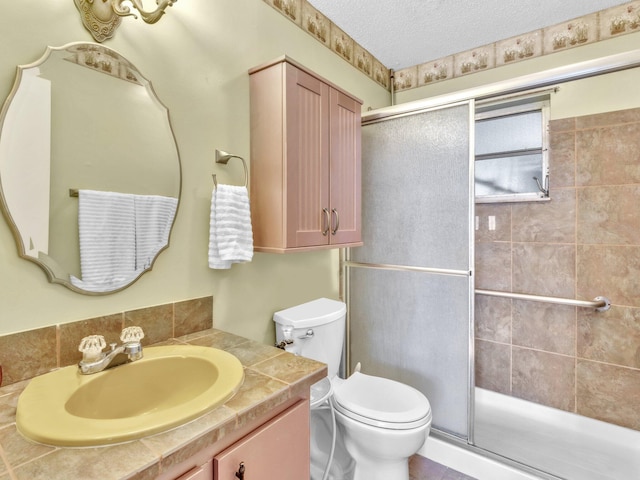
x=493 y=266
x=71 y=334
x=611 y=271
x=562 y=125
x=550 y=222
x=544 y=326
x=27 y=354
x=502 y=219
x=631 y=115
x=609 y=393
x=602 y=158
x=609 y=215
x=193 y=316
x=562 y=160
x=493 y=366
x=156 y=322
x=544 y=378
x=493 y=318
x=612 y=336
x=544 y=269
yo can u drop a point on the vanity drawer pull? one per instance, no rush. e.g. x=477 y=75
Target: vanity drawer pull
x=240 y=472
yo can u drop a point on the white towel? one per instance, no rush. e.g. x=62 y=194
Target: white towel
x=154 y=218
x=120 y=235
x=230 y=232
x=106 y=224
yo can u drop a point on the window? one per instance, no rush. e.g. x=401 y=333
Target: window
x=511 y=163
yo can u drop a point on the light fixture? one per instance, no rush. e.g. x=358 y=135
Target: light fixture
x=102 y=17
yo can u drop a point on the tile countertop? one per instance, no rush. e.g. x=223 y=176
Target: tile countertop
x=274 y=379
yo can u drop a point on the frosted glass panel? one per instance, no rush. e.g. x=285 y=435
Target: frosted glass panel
x=514 y=132
x=415 y=190
x=413 y=327
x=508 y=175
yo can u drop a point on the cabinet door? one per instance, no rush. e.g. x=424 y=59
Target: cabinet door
x=345 y=196
x=307 y=162
x=277 y=450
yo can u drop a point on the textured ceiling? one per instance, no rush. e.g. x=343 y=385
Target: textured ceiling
x=403 y=33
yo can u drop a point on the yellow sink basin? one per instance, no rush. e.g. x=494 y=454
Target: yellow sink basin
x=168 y=387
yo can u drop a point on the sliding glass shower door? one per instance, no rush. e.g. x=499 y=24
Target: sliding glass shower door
x=410 y=287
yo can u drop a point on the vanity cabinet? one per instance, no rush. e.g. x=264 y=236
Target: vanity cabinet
x=270 y=446
x=305 y=160
x=279 y=449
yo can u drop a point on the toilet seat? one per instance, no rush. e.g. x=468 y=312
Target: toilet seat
x=381 y=402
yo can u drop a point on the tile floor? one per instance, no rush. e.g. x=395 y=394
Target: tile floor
x=421 y=468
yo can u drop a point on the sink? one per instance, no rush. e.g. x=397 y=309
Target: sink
x=171 y=385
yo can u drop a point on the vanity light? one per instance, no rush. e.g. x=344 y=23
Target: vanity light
x=102 y=17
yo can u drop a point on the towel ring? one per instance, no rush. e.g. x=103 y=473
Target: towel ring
x=223 y=157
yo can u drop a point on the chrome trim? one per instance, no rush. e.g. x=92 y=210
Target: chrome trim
x=385 y=266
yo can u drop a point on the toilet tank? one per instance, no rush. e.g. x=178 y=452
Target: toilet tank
x=321 y=325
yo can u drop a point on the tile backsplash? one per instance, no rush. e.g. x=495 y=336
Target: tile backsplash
x=27 y=354
x=584 y=243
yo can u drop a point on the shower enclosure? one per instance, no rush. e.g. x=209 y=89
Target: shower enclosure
x=411 y=289
x=414 y=299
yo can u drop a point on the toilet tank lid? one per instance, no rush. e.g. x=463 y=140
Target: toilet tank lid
x=311 y=314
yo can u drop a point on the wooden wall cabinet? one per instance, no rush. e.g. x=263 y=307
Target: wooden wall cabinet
x=305 y=160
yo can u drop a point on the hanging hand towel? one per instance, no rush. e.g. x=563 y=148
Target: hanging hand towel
x=106 y=223
x=154 y=218
x=230 y=232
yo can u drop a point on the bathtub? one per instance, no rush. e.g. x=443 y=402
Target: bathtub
x=555 y=443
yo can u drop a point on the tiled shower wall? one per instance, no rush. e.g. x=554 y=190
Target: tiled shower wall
x=584 y=243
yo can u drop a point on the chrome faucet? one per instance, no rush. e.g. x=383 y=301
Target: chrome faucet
x=94 y=360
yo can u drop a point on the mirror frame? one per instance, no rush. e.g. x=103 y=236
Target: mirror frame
x=51 y=274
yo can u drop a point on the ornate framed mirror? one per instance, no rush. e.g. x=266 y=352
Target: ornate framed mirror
x=84 y=119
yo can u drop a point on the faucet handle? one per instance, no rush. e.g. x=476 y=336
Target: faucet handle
x=132 y=334
x=91 y=347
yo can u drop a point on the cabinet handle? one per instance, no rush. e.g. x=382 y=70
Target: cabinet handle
x=335 y=212
x=327 y=221
x=240 y=472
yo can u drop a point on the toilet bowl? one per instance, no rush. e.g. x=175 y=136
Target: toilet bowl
x=381 y=422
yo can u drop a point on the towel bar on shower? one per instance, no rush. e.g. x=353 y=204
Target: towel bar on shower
x=223 y=157
x=600 y=303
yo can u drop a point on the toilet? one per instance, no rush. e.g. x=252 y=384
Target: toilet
x=381 y=422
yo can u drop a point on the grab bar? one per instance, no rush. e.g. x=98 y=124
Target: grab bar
x=601 y=304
